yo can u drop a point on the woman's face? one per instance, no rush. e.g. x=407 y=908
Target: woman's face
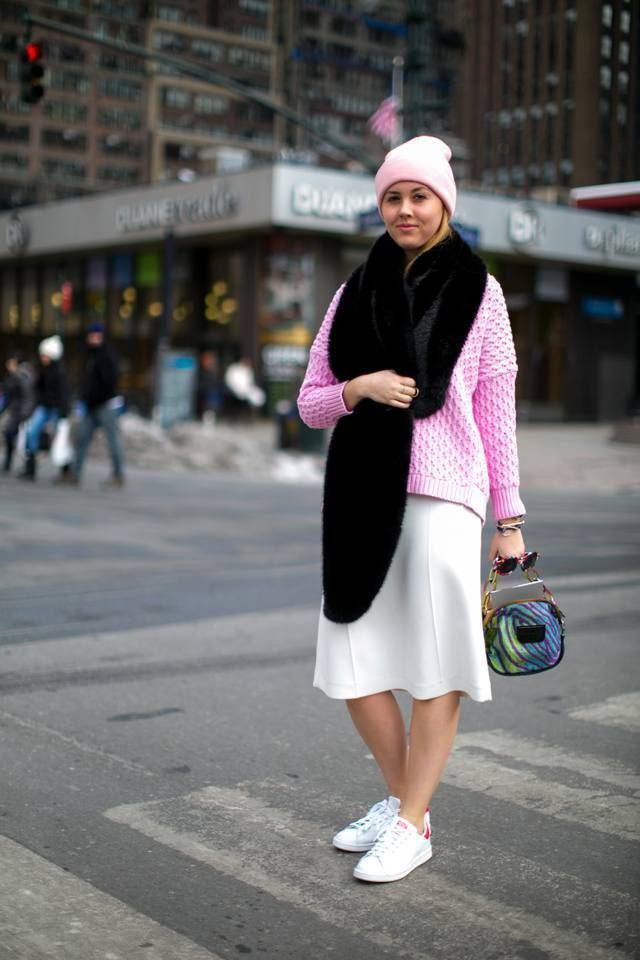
x=412 y=214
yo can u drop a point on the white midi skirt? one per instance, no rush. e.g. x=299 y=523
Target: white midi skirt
x=423 y=632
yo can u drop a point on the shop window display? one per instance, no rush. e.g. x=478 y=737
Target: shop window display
x=286 y=316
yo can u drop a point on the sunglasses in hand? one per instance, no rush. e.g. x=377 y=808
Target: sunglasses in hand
x=504 y=565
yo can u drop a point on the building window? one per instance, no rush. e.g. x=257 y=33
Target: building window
x=115 y=144
x=625 y=21
x=13 y=162
x=65 y=169
x=9 y=131
x=118 y=174
x=66 y=139
x=169 y=42
x=207 y=49
x=122 y=119
x=605 y=77
x=208 y=103
x=67 y=110
x=605 y=46
x=623 y=52
x=623 y=81
x=119 y=89
x=176 y=97
x=622 y=114
x=607 y=14
x=66 y=80
x=259 y=8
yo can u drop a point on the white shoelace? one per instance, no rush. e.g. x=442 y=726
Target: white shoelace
x=376 y=812
x=390 y=839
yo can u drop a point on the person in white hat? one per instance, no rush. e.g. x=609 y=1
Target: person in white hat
x=414 y=367
x=52 y=399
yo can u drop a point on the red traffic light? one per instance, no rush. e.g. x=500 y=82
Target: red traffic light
x=32 y=52
x=67 y=296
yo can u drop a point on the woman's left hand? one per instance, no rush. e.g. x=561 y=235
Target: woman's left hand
x=509 y=546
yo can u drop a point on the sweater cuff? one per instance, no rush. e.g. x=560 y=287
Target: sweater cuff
x=507 y=503
x=333 y=401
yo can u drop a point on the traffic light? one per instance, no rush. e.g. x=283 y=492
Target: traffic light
x=31 y=72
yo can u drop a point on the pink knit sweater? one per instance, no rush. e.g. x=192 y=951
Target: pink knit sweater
x=467 y=450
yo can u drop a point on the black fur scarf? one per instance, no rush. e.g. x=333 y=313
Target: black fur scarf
x=416 y=324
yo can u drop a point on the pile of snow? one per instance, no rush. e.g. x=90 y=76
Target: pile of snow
x=248 y=449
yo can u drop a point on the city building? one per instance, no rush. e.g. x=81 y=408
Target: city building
x=246 y=264
x=556 y=95
x=111 y=119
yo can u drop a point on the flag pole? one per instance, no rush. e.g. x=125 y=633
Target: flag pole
x=397 y=92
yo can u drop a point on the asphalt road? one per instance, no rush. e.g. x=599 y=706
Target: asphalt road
x=170 y=783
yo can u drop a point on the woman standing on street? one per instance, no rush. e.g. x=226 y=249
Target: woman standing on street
x=415 y=366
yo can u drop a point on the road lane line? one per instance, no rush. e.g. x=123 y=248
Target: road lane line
x=472 y=767
x=285 y=856
x=621 y=711
x=48 y=914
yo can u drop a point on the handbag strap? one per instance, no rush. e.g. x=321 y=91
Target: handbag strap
x=532 y=575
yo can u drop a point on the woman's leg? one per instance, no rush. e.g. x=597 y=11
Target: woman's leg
x=433 y=729
x=380 y=723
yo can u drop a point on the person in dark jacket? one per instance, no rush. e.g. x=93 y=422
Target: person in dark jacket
x=17 y=403
x=97 y=392
x=52 y=399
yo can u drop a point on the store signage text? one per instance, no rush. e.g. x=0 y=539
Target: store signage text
x=612 y=240
x=328 y=203
x=524 y=226
x=17 y=235
x=201 y=208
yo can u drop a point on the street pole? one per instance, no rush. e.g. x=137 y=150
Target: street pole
x=397 y=92
x=164 y=331
x=207 y=76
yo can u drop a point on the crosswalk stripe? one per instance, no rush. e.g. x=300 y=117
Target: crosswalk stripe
x=540 y=754
x=48 y=914
x=621 y=711
x=472 y=766
x=285 y=856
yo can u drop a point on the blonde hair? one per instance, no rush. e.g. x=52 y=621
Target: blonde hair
x=442 y=233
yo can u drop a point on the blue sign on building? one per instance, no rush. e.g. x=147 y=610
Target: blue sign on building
x=603 y=307
x=370 y=220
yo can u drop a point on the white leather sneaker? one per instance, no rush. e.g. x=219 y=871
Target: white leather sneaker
x=398 y=850
x=362 y=834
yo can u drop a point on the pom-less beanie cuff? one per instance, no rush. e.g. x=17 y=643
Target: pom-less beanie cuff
x=424 y=160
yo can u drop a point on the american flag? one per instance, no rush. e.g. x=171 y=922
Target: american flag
x=384 y=122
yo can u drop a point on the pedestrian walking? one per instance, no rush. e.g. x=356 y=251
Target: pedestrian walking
x=98 y=391
x=415 y=366
x=52 y=400
x=210 y=388
x=17 y=403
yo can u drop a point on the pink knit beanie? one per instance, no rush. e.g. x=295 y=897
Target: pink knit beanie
x=423 y=159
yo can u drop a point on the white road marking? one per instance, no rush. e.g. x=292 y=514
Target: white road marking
x=472 y=766
x=285 y=856
x=537 y=753
x=621 y=711
x=48 y=914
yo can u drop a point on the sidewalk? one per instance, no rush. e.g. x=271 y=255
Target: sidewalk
x=554 y=457
x=577 y=458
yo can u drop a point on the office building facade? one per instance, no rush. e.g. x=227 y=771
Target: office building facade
x=556 y=94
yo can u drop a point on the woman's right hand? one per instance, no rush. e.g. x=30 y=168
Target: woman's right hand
x=383 y=386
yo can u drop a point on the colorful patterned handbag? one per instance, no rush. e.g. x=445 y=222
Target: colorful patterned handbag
x=524 y=629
